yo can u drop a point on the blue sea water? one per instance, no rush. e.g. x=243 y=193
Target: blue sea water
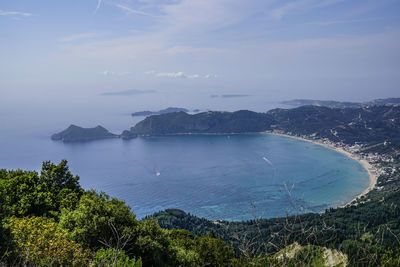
x=235 y=177
x=229 y=177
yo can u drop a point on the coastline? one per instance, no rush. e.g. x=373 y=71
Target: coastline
x=373 y=177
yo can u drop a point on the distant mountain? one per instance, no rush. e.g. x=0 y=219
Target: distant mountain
x=78 y=134
x=338 y=104
x=386 y=101
x=323 y=103
x=229 y=96
x=128 y=92
x=163 y=111
x=348 y=125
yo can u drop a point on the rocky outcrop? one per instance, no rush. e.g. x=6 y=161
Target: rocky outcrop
x=78 y=134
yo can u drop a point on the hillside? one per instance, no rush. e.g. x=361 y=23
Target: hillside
x=339 y=104
x=348 y=125
x=206 y=122
x=370 y=124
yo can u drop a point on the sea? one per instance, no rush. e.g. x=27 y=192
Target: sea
x=218 y=177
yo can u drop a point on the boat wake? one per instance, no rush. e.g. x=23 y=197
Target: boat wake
x=268 y=161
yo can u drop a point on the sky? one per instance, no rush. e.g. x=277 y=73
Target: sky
x=63 y=53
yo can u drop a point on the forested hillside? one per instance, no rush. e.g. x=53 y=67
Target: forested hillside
x=348 y=125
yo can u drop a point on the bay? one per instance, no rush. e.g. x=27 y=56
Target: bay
x=225 y=177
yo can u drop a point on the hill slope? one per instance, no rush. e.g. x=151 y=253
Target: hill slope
x=349 y=125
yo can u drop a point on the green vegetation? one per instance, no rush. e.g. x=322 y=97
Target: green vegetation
x=96 y=218
x=47 y=219
x=114 y=257
x=26 y=193
x=207 y=122
x=40 y=241
x=349 y=125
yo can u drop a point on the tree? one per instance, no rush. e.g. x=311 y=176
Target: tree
x=90 y=223
x=39 y=241
x=207 y=250
x=24 y=193
x=152 y=244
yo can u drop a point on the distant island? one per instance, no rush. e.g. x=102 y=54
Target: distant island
x=229 y=96
x=338 y=104
x=163 y=111
x=78 y=134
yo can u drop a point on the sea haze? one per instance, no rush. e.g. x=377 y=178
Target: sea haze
x=236 y=177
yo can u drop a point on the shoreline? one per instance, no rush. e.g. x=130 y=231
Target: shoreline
x=371 y=170
x=373 y=177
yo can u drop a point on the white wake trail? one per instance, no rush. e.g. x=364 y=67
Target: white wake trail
x=268 y=161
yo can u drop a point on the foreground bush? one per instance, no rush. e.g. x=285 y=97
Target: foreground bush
x=98 y=219
x=114 y=257
x=39 y=241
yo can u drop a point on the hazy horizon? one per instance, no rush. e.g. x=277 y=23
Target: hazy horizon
x=63 y=56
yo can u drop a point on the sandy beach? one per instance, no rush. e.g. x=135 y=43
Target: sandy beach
x=367 y=166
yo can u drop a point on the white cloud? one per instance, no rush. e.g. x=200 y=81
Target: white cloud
x=196 y=16
x=149 y=72
x=99 y=2
x=107 y=73
x=179 y=74
x=130 y=11
x=282 y=11
x=193 y=76
x=14 y=13
x=78 y=37
x=111 y=73
x=182 y=75
x=349 y=21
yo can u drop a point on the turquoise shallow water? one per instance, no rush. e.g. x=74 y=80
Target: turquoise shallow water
x=235 y=177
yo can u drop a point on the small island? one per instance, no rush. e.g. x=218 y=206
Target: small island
x=79 y=134
x=163 y=111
